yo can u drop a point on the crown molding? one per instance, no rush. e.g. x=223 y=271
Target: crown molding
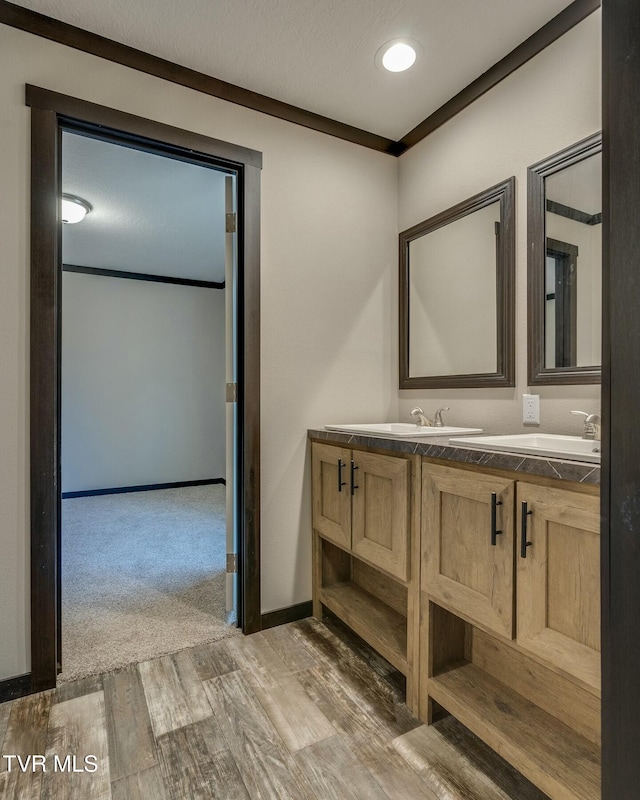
x=536 y=43
x=79 y=39
x=71 y=36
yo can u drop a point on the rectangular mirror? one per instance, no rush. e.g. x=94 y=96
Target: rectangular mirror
x=565 y=266
x=457 y=295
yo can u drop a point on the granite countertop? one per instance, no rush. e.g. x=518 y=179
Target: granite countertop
x=440 y=447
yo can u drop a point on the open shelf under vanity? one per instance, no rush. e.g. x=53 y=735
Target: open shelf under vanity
x=533 y=717
x=381 y=626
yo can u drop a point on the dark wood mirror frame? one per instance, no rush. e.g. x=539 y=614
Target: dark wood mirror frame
x=538 y=374
x=503 y=192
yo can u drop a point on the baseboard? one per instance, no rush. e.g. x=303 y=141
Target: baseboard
x=146 y=488
x=12 y=688
x=289 y=614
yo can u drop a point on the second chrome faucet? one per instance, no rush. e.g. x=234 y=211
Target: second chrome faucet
x=424 y=421
x=592 y=424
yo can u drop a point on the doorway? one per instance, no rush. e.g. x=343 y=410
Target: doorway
x=146 y=350
x=52 y=115
x=561 y=304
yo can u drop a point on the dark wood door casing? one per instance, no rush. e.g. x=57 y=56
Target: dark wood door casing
x=620 y=491
x=50 y=114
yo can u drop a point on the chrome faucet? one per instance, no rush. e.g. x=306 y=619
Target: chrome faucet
x=425 y=422
x=421 y=420
x=592 y=424
x=437 y=417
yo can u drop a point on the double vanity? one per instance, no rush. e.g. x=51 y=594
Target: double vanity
x=472 y=566
x=472 y=562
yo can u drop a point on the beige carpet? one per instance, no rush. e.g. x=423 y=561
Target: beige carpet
x=142 y=575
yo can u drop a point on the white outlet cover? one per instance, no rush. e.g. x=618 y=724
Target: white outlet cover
x=531 y=409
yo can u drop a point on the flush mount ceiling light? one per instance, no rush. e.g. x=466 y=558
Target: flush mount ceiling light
x=397 y=55
x=74 y=209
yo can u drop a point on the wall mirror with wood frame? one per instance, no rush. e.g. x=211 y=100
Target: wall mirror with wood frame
x=457 y=277
x=565 y=266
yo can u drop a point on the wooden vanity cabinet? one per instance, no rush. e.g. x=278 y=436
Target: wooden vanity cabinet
x=509 y=639
x=365 y=528
x=361 y=502
x=467 y=544
x=331 y=492
x=482 y=588
x=558 y=580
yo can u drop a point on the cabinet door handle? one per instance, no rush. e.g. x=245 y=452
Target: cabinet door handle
x=341 y=483
x=354 y=485
x=523 y=530
x=494 y=506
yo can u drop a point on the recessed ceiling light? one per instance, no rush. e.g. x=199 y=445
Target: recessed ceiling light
x=397 y=55
x=74 y=209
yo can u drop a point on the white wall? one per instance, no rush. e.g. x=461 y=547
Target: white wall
x=143 y=382
x=329 y=261
x=546 y=105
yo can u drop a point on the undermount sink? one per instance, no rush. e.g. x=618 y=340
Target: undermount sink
x=539 y=444
x=399 y=430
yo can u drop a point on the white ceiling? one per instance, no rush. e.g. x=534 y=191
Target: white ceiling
x=319 y=54
x=150 y=213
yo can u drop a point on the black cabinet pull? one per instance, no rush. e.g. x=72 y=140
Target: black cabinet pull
x=523 y=530
x=341 y=483
x=494 y=505
x=354 y=485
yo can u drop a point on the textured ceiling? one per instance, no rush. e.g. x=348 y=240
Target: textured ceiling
x=150 y=214
x=319 y=54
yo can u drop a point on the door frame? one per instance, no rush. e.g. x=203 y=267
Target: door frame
x=620 y=487
x=50 y=114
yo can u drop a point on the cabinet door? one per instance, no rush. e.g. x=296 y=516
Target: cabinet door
x=464 y=567
x=381 y=512
x=559 y=579
x=330 y=469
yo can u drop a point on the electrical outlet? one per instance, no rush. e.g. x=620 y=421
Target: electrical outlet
x=531 y=409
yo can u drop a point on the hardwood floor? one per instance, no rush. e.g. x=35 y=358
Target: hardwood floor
x=305 y=711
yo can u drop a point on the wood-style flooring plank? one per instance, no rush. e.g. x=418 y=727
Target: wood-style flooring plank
x=335 y=773
x=26 y=732
x=174 y=693
x=290 y=647
x=292 y=713
x=132 y=746
x=339 y=704
x=350 y=668
x=255 y=656
x=369 y=676
x=212 y=660
x=73 y=689
x=390 y=770
x=16 y=785
x=354 y=705
x=267 y=768
x=78 y=729
x=197 y=764
x=5 y=710
x=333 y=641
x=146 y=785
x=455 y=764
